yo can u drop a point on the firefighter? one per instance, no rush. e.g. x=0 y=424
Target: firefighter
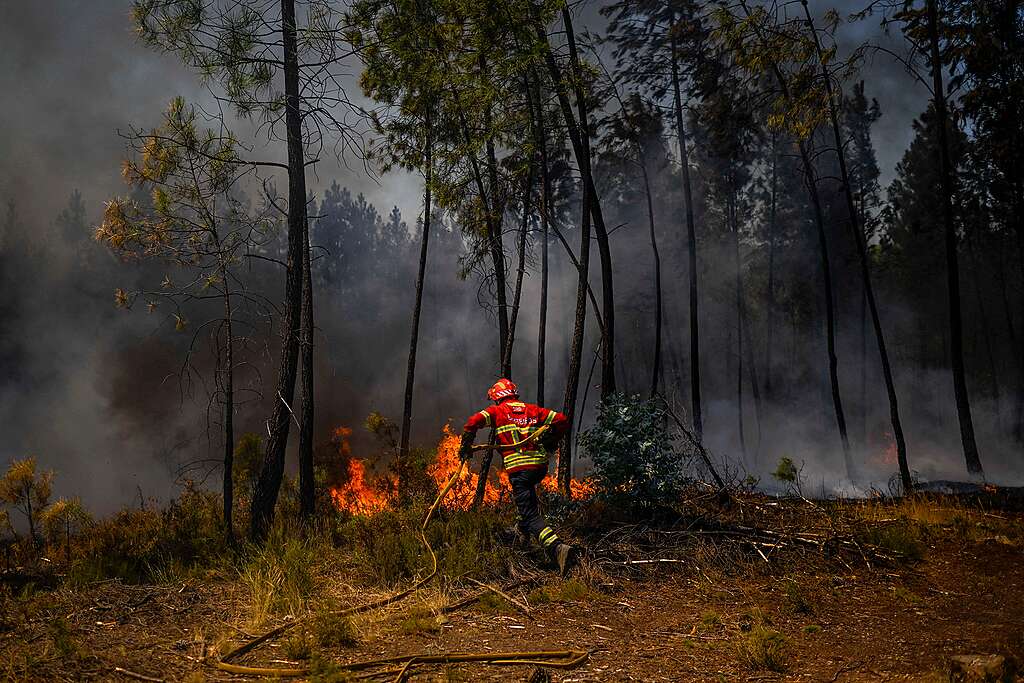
x=527 y=464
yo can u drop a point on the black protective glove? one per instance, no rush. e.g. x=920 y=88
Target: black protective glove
x=550 y=441
x=466 y=447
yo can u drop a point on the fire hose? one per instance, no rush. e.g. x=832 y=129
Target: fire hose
x=553 y=658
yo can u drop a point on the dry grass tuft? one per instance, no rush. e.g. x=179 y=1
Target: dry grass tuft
x=571 y=590
x=329 y=628
x=763 y=649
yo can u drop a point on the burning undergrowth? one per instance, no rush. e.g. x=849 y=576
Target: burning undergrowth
x=353 y=489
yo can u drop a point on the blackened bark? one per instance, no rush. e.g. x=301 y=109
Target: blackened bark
x=738 y=283
x=862 y=252
x=307 y=493
x=229 y=417
x=810 y=179
x=691 y=242
x=963 y=403
x=520 y=270
x=495 y=213
x=545 y=216
x=579 y=133
x=656 y=370
x=410 y=372
x=572 y=382
x=772 y=241
x=268 y=483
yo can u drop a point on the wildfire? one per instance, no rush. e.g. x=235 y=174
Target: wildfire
x=355 y=494
x=360 y=497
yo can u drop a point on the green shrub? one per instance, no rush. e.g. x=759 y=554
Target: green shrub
x=331 y=629
x=906 y=595
x=298 y=646
x=571 y=590
x=389 y=548
x=491 y=603
x=634 y=462
x=811 y=629
x=763 y=649
x=797 y=598
x=145 y=545
x=63 y=641
x=322 y=670
x=903 y=540
x=419 y=620
x=710 y=620
x=387 y=545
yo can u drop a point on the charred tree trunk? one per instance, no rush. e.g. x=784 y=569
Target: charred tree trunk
x=520 y=270
x=268 y=483
x=229 y=417
x=579 y=133
x=691 y=242
x=410 y=372
x=830 y=314
x=572 y=382
x=656 y=370
x=495 y=212
x=734 y=228
x=307 y=494
x=545 y=216
x=963 y=403
x=869 y=292
x=772 y=239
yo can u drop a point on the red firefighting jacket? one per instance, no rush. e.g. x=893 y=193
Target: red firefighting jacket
x=513 y=421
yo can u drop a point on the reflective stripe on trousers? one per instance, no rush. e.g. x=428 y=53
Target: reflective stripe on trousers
x=524 y=492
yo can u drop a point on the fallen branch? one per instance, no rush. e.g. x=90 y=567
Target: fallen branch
x=525 y=609
x=137 y=676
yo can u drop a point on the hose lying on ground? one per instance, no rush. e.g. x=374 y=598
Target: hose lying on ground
x=552 y=658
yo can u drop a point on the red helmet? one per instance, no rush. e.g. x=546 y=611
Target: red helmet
x=503 y=388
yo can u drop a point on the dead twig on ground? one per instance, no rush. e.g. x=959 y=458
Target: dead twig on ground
x=137 y=676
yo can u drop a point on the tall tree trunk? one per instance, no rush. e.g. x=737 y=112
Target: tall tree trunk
x=581 y=147
x=825 y=266
x=691 y=242
x=656 y=370
x=830 y=315
x=772 y=303
x=734 y=228
x=268 y=483
x=963 y=403
x=861 y=241
x=755 y=387
x=520 y=270
x=495 y=212
x=229 y=416
x=545 y=216
x=307 y=493
x=410 y=372
x=572 y=382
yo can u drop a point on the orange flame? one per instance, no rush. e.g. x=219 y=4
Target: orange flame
x=356 y=495
x=359 y=497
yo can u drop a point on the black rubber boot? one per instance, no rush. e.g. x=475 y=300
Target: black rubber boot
x=565 y=555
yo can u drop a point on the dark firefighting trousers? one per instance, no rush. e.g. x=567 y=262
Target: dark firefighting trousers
x=524 y=492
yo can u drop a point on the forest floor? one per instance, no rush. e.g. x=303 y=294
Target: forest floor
x=847 y=592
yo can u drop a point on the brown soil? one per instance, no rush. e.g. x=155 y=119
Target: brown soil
x=683 y=621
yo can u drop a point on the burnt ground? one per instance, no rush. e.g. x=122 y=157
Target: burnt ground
x=854 y=615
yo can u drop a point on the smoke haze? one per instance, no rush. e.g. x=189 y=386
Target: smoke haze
x=93 y=392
